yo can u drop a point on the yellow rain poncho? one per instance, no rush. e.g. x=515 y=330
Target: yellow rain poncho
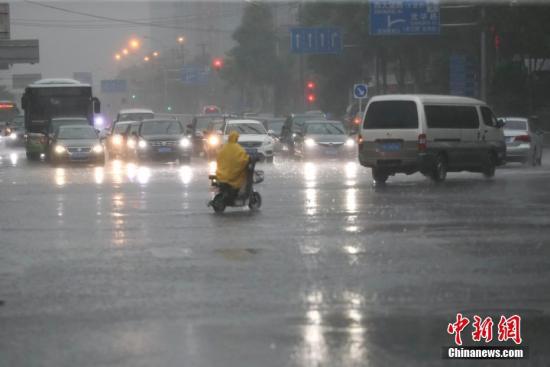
x=231 y=162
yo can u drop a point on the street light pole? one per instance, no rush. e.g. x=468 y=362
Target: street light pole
x=483 y=58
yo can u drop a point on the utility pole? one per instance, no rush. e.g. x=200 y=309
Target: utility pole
x=483 y=58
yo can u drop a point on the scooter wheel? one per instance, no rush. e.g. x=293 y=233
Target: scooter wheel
x=255 y=201
x=218 y=203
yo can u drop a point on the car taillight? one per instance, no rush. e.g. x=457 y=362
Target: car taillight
x=523 y=138
x=359 y=139
x=422 y=143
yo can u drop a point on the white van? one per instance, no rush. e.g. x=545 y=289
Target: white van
x=430 y=133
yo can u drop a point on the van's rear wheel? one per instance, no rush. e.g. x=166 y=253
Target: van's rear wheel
x=489 y=165
x=379 y=176
x=439 y=173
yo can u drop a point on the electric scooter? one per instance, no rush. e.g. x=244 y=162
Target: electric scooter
x=228 y=196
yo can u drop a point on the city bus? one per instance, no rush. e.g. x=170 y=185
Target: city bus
x=51 y=98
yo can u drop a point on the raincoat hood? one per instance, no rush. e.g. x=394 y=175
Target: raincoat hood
x=233 y=137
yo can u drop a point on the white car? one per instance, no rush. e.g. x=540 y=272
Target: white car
x=523 y=142
x=253 y=137
x=135 y=114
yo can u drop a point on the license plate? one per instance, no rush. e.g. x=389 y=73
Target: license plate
x=391 y=147
x=331 y=151
x=165 y=150
x=79 y=155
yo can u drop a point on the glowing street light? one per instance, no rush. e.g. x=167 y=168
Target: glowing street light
x=181 y=39
x=117 y=57
x=156 y=54
x=125 y=51
x=146 y=58
x=134 y=43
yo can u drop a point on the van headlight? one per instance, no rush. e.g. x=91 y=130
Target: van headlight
x=60 y=149
x=142 y=144
x=309 y=142
x=185 y=142
x=97 y=149
x=350 y=143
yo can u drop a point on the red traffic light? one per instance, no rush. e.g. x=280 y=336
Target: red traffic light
x=217 y=63
x=310 y=85
x=311 y=98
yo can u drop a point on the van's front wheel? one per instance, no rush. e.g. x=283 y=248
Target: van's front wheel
x=439 y=173
x=379 y=176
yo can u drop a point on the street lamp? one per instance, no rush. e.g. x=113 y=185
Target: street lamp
x=146 y=58
x=181 y=39
x=134 y=43
x=156 y=54
x=117 y=57
x=125 y=51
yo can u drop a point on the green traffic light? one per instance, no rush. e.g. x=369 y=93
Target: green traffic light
x=133 y=96
x=169 y=108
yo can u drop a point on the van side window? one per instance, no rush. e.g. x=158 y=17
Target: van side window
x=489 y=118
x=451 y=117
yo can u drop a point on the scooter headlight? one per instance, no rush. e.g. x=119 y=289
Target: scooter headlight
x=309 y=143
x=185 y=142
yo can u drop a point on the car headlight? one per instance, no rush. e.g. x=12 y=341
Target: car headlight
x=350 y=142
x=185 y=142
x=117 y=139
x=97 y=148
x=213 y=140
x=309 y=142
x=142 y=144
x=131 y=143
x=13 y=136
x=60 y=149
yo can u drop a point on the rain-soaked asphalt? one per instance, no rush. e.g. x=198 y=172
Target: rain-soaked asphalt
x=126 y=266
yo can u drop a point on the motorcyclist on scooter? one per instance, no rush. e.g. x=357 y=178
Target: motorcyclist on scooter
x=231 y=166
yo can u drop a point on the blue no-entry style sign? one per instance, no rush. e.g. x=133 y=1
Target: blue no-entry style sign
x=360 y=91
x=316 y=40
x=404 y=17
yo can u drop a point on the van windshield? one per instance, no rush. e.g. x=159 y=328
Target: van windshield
x=391 y=115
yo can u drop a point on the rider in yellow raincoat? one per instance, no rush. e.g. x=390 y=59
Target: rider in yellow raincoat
x=231 y=163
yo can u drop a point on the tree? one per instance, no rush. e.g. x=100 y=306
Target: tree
x=252 y=65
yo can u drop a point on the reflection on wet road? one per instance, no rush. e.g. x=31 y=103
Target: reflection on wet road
x=124 y=265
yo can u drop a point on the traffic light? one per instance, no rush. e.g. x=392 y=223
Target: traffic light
x=217 y=64
x=311 y=96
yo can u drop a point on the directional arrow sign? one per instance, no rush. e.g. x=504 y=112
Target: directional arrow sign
x=360 y=91
x=316 y=40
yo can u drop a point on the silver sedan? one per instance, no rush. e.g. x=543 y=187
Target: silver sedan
x=524 y=143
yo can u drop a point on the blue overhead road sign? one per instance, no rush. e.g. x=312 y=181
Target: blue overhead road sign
x=360 y=91
x=404 y=17
x=194 y=74
x=317 y=40
x=114 y=86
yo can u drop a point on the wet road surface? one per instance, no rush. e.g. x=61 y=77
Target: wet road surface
x=126 y=266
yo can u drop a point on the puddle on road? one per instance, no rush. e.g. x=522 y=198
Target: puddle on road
x=237 y=254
